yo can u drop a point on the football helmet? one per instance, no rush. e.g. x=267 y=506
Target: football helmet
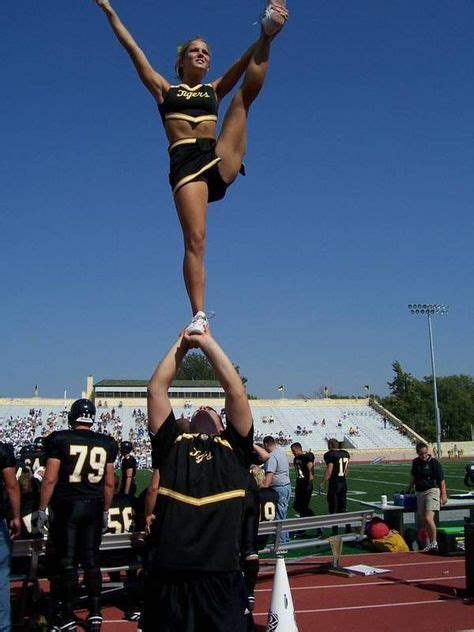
x=125 y=448
x=82 y=411
x=469 y=477
x=39 y=442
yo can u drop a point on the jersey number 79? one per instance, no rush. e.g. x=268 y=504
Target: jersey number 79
x=94 y=458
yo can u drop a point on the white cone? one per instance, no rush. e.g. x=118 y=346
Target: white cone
x=281 y=616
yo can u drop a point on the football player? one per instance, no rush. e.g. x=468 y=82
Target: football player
x=260 y=506
x=337 y=463
x=304 y=465
x=469 y=476
x=30 y=492
x=31 y=457
x=11 y=508
x=78 y=486
x=128 y=467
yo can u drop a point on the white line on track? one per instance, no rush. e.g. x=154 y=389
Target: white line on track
x=379 y=605
x=389 y=582
x=314 y=560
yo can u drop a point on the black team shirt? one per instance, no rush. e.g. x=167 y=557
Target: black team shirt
x=128 y=462
x=340 y=460
x=203 y=480
x=84 y=455
x=427 y=474
x=7 y=459
x=301 y=467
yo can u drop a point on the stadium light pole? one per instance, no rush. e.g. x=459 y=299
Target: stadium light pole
x=432 y=310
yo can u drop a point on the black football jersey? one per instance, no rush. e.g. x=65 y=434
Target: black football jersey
x=301 y=466
x=469 y=477
x=340 y=460
x=7 y=459
x=203 y=482
x=32 y=458
x=427 y=474
x=121 y=515
x=268 y=498
x=84 y=455
x=128 y=462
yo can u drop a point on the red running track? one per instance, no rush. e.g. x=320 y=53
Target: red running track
x=417 y=594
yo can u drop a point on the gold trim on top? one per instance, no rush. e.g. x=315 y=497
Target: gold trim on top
x=177 y=116
x=185 y=85
x=204 y=500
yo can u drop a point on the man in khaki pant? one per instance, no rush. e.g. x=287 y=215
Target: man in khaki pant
x=428 y=480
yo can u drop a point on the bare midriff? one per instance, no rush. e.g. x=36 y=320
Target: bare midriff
x=177 y=130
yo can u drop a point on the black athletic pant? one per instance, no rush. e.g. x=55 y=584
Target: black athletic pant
x=76 y=533
x=303 y=492
x=188 y=601
x=337 y=501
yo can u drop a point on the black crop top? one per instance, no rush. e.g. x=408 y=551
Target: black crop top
x=189 y=104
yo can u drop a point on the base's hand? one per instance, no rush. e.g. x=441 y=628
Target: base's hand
x=197 y=341
x=283 y=11
x=103 y=4
x=443 y=499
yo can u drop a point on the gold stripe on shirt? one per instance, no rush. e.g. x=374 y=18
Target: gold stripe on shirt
x=205 y=500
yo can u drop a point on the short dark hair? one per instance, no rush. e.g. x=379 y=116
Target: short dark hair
x=419 y=445
x=333 y=444
x=296 y=444
x=268 y=440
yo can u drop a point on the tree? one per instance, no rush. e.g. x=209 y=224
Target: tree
x=196 y=366
x=411 y=400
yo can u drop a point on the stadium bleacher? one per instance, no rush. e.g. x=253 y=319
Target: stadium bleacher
x=288 y=419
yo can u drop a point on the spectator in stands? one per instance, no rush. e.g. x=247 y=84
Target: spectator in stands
x=277 y=476
x=428 y=480
x=194 y=580
x=9 y=484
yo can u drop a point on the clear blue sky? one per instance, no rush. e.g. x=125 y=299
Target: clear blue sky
x=358 y=199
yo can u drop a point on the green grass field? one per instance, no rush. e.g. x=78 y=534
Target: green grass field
x=367 y=483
